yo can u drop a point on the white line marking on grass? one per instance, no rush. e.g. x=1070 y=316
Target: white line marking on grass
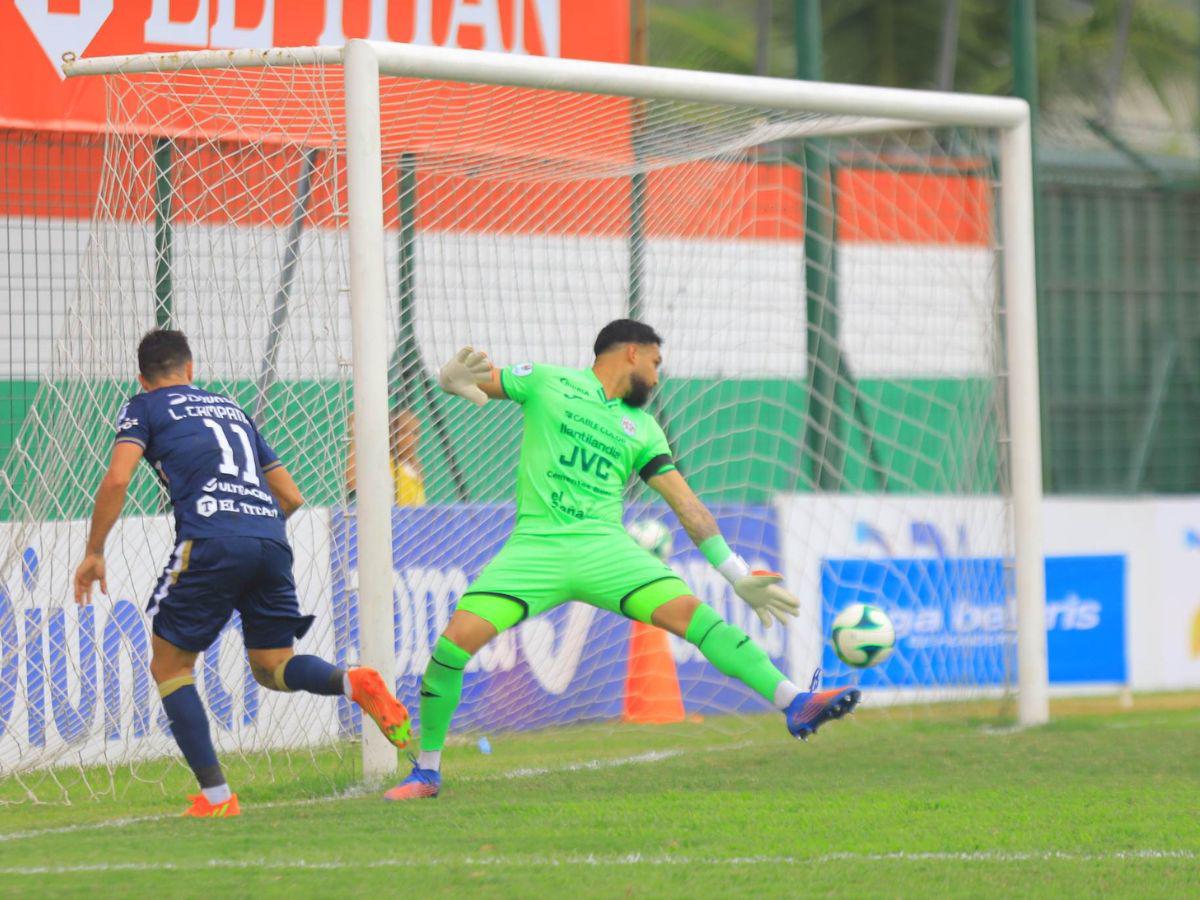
x=1005 y=856
x=606 y=860
x=591 y=764
x=164 y=817
x=652 y=756
x=68 y=829
x=1144 y=721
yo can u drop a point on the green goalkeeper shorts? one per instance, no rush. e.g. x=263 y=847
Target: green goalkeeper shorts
x=535 y=573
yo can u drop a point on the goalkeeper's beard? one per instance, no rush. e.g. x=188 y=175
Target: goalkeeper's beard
x=639 y=391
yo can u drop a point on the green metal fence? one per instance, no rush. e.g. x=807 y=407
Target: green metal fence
x=1120 y=329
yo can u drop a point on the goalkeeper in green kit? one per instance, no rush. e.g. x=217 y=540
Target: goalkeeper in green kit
x=585 y=434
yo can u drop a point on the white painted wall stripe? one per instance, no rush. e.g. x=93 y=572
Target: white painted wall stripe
x=733 y=308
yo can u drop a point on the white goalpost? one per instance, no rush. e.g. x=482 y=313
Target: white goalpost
x=844 y=277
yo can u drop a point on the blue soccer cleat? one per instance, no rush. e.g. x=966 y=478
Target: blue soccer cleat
x=812 y=709
x=420 y=784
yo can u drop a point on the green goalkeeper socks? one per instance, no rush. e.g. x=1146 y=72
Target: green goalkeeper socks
x=732 y=652
x=441 y=690
x=729 y=649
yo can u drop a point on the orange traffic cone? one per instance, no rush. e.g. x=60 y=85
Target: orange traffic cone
x=652 y=694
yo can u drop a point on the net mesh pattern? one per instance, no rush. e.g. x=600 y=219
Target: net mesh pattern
x=832 y=388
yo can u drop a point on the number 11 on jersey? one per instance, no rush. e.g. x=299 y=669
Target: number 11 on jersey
x=228 y=464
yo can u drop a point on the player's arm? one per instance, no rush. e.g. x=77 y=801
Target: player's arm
x=283 y=486
x=110 y=500
x=761 y=590
x=279 y=480
x=693 y=515
x=471 y=375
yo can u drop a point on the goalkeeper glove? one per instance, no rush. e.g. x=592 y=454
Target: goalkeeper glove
x=463 y=375
x=762 y=592
x=760 y=589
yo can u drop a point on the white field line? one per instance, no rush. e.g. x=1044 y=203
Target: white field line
x=163 y=817
x=607 y=860
x=652 y=756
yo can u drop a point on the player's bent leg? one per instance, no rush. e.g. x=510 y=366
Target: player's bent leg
x=469 y=630
x=528 y=576
x=727 y=647
x=733 y=653
x=272 y=621
x=441 y=688
x=279 y=669
x=172 y=670
x=669 y=604
x=674 y=615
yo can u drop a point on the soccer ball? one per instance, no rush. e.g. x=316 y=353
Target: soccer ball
x=863 y=635
x=654 y=536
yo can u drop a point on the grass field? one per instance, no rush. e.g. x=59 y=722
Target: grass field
x=888 y=803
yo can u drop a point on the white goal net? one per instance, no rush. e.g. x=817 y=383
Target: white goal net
x=829 y=293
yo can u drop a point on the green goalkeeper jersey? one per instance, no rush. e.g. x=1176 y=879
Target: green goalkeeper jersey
x=578 y=449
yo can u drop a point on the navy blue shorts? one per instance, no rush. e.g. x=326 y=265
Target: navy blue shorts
x=208 y=578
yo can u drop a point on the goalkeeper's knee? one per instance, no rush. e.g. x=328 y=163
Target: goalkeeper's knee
x=446 y=664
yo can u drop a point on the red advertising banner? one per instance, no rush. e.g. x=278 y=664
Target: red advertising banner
x=34 y=34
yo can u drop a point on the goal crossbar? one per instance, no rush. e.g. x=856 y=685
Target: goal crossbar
x=896 y=105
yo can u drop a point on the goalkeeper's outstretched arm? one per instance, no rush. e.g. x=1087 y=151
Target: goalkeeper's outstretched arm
x=471 y=375
x=761 y=590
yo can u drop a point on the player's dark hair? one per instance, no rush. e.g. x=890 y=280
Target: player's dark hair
x=162 y=352
x=624 y=331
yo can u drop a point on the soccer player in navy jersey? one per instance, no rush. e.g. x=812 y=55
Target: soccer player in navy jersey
x=230 y=494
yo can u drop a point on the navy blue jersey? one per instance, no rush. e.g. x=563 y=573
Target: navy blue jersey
x=211 y=458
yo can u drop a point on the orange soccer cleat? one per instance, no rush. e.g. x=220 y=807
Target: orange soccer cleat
x=374 y=698
x=202 y=809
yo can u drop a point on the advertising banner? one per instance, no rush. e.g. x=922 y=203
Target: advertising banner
x=1085 y=619
x=75 y=681
x=872 y=527
x=34 y=35
x=935 y=565
x=955 y=624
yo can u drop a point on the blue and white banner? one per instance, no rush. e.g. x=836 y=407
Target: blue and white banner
x=568 y=665
x=955 y=625
x=75 y=681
